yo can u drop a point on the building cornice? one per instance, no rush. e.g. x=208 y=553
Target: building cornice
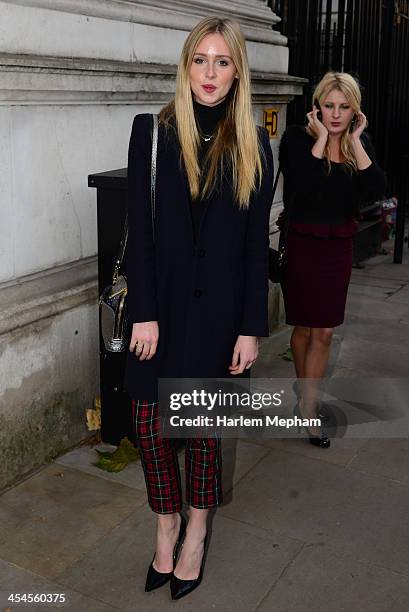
x=35 y=80
x=255 y=17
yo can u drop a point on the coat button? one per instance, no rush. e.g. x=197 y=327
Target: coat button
x=201 y=252
x=197 y=293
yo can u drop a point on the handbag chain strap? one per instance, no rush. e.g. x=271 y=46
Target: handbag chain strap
x=153 y=168
x=124 y=239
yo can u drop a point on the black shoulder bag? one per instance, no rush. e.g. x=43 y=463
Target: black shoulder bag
x=113 y=300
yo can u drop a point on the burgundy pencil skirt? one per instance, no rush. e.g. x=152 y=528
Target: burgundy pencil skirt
x=316 y=278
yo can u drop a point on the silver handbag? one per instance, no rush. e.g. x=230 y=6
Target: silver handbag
x=113 y=300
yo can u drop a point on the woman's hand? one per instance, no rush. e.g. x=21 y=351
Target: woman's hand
x=144 y=340
x=315 y=127
x=245 y=354
x=362 y=158
x=360 y=125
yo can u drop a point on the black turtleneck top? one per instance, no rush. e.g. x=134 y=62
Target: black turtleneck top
x=207 y=118
x=321 y=203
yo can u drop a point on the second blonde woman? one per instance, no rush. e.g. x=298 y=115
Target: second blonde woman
x=329 y=167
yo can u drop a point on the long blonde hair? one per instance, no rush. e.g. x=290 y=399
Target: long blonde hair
x=236 y=141
x=344 y=82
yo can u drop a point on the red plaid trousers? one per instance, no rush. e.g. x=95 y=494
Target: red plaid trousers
x=203 y=465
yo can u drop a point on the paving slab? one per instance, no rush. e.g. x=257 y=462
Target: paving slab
x=273 y=367
x=341 y=452
x=389 y=270
x=367 y=306
x=14 y=579
x=377 y=359
x=386 y=332
x=84 y=457
x=242 y=563
x=400 y=297
x=363 y=278
x=365 y=289
x=277 y=342
x=321 y=579
x=51 y=519
x=388 y=458
x=320 y=503
x=238 y=457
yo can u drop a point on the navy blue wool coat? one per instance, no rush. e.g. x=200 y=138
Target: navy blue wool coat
x=202 y=294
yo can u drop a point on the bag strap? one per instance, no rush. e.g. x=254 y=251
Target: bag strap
x=153 y=168
x=124 y=239
x=276 y=182
x=122 y=248
x=287 y=210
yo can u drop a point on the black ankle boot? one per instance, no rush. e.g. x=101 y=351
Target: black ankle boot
x=155 y=579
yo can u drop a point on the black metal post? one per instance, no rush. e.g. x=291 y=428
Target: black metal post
x=400 y=232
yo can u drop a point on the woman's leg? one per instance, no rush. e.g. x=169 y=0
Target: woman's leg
x=315 y=365
x=162 y=477
x=203 y=463
x=190 y=558
x=167 y=532
x=299 y=345
x=317 y=355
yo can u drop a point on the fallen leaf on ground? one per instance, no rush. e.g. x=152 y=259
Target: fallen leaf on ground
x=117 y=460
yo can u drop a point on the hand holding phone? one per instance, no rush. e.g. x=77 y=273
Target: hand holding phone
x=318 y=107
x=315 y=126
x=354 y=123
x=357 y=125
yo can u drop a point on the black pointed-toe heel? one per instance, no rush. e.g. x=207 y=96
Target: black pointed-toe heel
x=155 y=579
x=179 y=588
x=322 y=440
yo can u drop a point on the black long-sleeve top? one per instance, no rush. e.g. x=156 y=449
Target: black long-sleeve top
x=329 y=202
x=207 y=118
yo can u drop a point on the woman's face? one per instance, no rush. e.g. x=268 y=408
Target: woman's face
x=212 y=71
x=337 y=113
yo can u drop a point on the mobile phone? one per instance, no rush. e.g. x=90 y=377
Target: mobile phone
x=353 y=124
x=317 y=105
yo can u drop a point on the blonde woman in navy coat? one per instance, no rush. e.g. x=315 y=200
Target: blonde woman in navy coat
x=198 y=288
